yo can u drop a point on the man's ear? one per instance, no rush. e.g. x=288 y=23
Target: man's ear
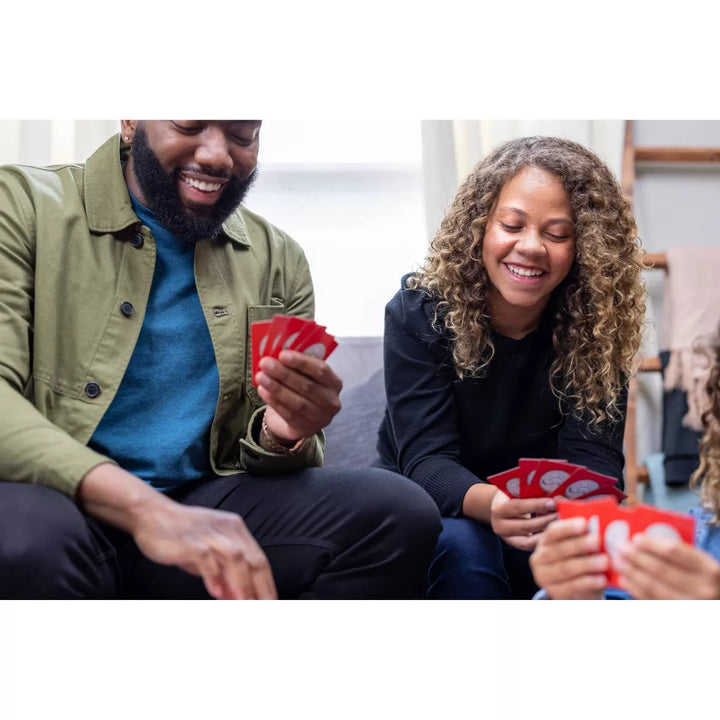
x=127 y=129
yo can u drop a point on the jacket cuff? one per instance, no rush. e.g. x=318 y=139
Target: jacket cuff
x=258 y=461
x=69 y=469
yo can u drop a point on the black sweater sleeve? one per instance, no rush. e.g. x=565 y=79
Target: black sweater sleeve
x=600 y=449
x=420 y=426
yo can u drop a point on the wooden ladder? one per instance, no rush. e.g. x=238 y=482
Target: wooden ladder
x=635 y=471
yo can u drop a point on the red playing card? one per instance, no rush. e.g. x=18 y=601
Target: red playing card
x=508 y=481
x=317 y=344
x=293 y=328
x=593 y=510
x=527 y=473
x=258 y=343
x=617 y=525
x=616 y=528
x=612 y=491
x=664 y=523
x=600 y=514
x=309 y=329
x=583 y=482
x=550 y=474
x=277 y=330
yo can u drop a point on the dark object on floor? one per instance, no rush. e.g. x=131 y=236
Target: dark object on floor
x=679 y=443
x=669 y=497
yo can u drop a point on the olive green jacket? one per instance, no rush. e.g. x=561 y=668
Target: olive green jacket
x=72 y=252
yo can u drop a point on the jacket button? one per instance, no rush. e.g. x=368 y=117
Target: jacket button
x=127 y=309
x=92 y=389
x=137 y=240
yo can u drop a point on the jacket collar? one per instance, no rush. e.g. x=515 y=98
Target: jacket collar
x=107 y=200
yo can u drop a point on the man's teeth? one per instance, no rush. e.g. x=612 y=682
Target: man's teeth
x=515 y=270
x=202 y=185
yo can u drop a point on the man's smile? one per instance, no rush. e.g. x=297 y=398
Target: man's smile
x=201 y=189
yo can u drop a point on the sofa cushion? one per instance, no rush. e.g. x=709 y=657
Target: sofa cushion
x=351 y=437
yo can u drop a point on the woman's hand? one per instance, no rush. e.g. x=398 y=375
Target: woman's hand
x=654 y=568
x=567 y=562
x=519 y=521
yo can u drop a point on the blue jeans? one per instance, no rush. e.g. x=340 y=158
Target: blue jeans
x=472 y=563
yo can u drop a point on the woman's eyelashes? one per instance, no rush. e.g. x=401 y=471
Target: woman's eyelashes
x=557 y=237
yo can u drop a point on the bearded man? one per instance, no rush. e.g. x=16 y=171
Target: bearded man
x=137 y=457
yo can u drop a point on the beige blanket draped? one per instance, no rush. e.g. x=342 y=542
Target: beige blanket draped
x=691 y=315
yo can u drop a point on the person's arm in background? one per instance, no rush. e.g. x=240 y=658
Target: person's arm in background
x=419 y=378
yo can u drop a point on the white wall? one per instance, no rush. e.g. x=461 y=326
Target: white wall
x=351 y=194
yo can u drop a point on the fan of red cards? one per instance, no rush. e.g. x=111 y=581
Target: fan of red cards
x=284 y=332
x=615 y=524
x=539 y=477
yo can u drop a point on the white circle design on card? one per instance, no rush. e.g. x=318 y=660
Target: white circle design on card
x=580 y=487
x=275 y=341
x=553 y=479
x=616 y=532
x=530 y=476
x=593 y=525
x=290 y=340
x=315 y=350
x=261 y=346
x=663 y=530
x=513 y=486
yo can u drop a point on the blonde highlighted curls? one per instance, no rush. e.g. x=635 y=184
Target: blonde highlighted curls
x=708 y=473
x=598 y=309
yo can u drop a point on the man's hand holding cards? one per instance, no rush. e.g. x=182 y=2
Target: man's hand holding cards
x=284 y=332
x=292 y=377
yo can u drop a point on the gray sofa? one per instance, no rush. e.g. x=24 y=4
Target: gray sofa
x=352 y=435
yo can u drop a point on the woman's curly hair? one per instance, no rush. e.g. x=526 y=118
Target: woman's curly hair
x=707 y=476
x=598 y=309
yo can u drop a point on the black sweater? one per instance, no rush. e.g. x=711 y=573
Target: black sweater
x=447 y=434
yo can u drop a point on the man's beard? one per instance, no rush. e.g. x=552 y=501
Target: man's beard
x=160 y=190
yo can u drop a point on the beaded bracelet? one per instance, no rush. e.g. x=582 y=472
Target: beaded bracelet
x=268 y=441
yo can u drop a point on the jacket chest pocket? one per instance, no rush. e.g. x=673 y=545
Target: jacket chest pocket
x=257 y=313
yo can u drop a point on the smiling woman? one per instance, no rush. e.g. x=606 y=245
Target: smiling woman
x=515 y=339
x=528 y=249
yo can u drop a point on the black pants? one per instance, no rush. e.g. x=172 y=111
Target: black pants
x=327 y=533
